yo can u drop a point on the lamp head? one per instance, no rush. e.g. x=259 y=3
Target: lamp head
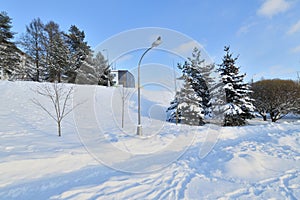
x=156 y=42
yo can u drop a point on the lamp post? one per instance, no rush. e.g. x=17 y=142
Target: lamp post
x=154 y=44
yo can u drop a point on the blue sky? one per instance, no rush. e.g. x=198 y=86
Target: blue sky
x=264 y=33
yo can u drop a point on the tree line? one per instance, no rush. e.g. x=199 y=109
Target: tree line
x=218 y=94
x=50 y=55
x=210 y=92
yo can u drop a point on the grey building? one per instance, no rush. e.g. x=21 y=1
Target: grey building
x=123 y=77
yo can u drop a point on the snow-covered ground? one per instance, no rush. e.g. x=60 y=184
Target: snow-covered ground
x=104 y=161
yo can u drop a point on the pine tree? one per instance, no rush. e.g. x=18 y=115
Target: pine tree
x=238 y=105
x=9 y=59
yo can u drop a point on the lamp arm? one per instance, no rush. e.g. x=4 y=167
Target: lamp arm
x=144 y=55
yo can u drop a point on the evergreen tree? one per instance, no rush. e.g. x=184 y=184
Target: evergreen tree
x=103 y=70
x=238 y=105
x=174 y=115
x=9 y=59
x=188 y=105
x=57 y=52
x=34 y=42
x=217 y=101
x=185 y=106
x=200 y=74
x=5 y=28
x=78 y=51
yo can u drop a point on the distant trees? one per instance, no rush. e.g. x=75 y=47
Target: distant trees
x=239 y=105
x=276 y=98
x=60 y=56
x=50 y=55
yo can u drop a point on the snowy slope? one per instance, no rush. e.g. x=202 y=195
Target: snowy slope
x=258 y=161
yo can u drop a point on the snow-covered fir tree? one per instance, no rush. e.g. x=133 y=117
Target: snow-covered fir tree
x=174 y=115
x=188 y=105
x=217 y=100
x=238 y=105
x=200 y=73
x=185 y=107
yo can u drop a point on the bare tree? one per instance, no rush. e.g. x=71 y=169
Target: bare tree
x=59 y=96
x=33 y=42
x=124 y=95
x=276 y=97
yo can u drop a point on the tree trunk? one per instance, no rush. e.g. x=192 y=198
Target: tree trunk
x=37 y=64
x=123 y=104
x=264 y=117
x=273 y=117
x=59 y=128
x=59 y=76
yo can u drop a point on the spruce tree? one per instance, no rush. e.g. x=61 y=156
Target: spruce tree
x=185 y=107
x=238 y=105
x=174 y=115
x=200 y=74
x=188 y=105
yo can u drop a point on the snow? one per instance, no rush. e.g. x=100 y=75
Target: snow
x=257 y=161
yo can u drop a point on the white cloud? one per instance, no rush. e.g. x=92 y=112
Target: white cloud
x=296 y=49
x=295 y=28
x=187 y=48
x=272 y=7
x=245 y=29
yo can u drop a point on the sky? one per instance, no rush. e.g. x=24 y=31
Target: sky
x=265 y=34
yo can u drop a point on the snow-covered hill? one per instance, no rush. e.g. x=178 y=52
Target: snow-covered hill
x=96 y=159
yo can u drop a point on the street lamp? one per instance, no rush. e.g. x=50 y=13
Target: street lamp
x=154 y=44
